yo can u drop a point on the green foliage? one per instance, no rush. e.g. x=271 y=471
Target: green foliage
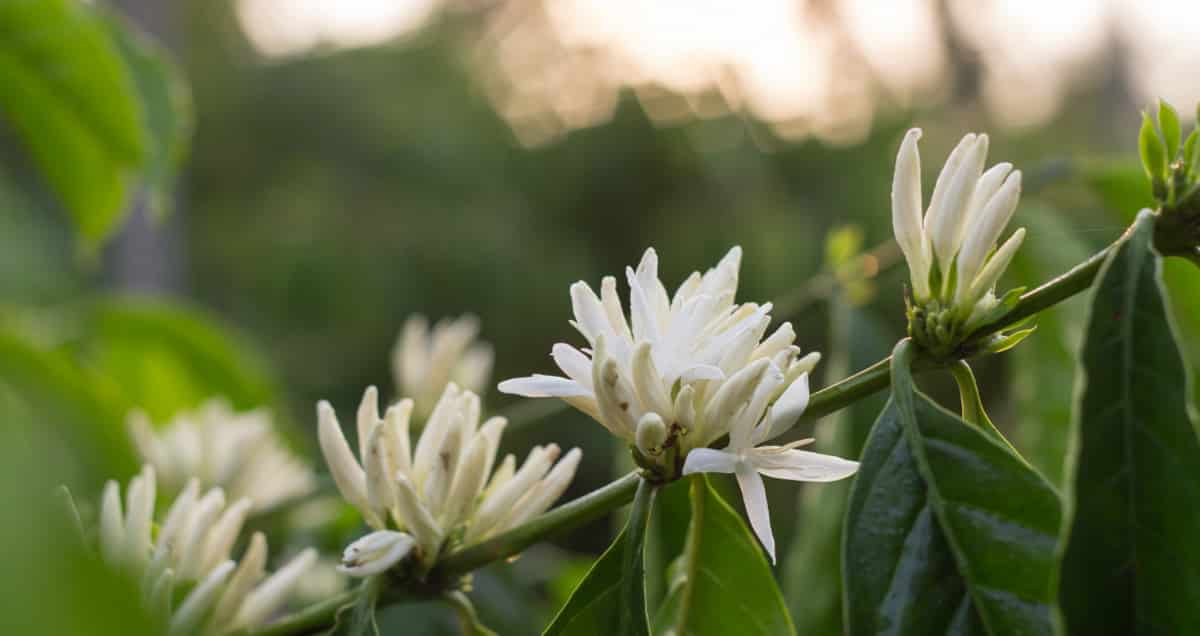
x=1132 y=562
x=93 y=110
x=165 y=357
x=948 y=530
x=1168 y=120
x=1152 y=152
x=721 y=584
x=611 y=598
x=813 y=567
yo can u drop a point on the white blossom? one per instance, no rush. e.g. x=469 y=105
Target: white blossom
x=951 y=251
x=446 y=483
x=749 y=462
x=425 y=360
x=690 y=361
x=375 y=553
x=240 y=452
x=190 y=549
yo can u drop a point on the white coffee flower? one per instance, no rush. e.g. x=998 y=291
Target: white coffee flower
x=189 y=549
x=424 y=361
x=674 y=376
x=442 y=486
x=240 y=452
x=375 y=553
x=749 y=462
x=951 y=250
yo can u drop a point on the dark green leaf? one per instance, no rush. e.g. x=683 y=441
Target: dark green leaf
x=358 y=618
x=67 y=92
x=665 y=539
x=948 y=531
x=812 y=580
x=610 y=601
x=722 y=583
x=1168 y=121
x=1132 y=561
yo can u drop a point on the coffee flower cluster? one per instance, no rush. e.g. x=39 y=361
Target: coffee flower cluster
x=423 y=500
x=240 y=452
x=951 y=250
x=188 y=552
x=683 y=372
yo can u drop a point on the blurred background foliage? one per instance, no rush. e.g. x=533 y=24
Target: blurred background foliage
x=452 y=157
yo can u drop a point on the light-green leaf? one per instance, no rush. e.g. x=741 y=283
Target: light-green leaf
x=1132 y=560
x=65 y=89
x=948 y=531
x=610 y=601
x=1150 y=147
x=1168 y=120
x=722 y=583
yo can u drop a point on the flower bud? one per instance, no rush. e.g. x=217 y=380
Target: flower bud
x=651 y=434
x=375 y=553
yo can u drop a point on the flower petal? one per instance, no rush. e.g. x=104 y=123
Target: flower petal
x=798 y=465
x=538 y=385
x=754 y=496
x=709 y=460
x=786 y=410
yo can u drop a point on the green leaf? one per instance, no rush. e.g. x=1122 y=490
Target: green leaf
x=66 y=91
x=80 y=407
x=1168 y=121
x=167 y=104
x=358 y=618
x=948 y=531
x=611 y=598
x=1150 y=148
x=812 y=580
x=166 y=357
x=1132 y=559
x=722 y=582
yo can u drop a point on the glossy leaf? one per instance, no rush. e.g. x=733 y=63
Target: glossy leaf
x=65 y=89
x=1132 y=559
x=812 y=579
x=722 y=583
x=610 y=600
x=948 y=531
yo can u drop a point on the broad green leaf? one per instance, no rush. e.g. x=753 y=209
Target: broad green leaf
x=610 y=601
x=665 y=538
x=1132 y=559
x=79 y=407
x=722 y=583
x=166 y=357
x=167 y=103
x=812 y=581
x=358 y=618
x=66 y=91
x=947 y=531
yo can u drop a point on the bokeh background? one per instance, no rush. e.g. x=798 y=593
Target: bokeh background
x=359 y=161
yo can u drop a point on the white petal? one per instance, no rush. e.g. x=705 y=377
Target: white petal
x=375 y=553
x=366 y=418
x=539 y=386
x=648 y=383
x=786 y=410
x=995 y=266
x=906 y=212
x=249 y=572
x=273 y=592
x=798 y=465
x=199 y=600
x=112 y=524
x=709 y=460
x=944 y=225
x=698 y=372
x=590 y=316
x=573 y=362
x=754 y=496
x=346 y=472
x=984 y=233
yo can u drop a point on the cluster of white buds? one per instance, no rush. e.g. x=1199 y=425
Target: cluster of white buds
x=438 y=494
x=951 y=250
x=685 y=371
x=240 y=452
x=188 y=551
x=674 y=376
x=424 y=361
